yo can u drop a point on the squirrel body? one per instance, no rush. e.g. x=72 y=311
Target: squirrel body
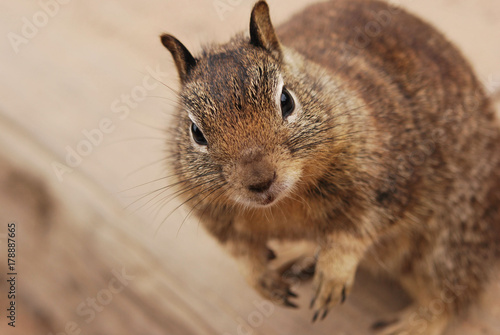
x=354 y=125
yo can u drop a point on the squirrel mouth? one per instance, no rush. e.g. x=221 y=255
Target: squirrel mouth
x=269 y=199
x=264 y=201
x=266 y=197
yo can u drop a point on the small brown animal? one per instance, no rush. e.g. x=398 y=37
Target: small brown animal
x=354 y=125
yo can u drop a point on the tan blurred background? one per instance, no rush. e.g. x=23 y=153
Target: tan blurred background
x=85 y=90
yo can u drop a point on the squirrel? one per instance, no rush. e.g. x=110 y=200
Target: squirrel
x=354 y=125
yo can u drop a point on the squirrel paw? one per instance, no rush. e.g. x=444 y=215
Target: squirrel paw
x=298 y=270
x=273 y=286
x=329 y=291
x=412 y=322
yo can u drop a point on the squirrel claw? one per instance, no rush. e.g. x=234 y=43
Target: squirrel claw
x=313 y=300
x=327 y=294
x=290 y=304
x=315 y=316
x=325 y=313
x=292 y=294
x=287 y=302
x=272 y=286
x=325 y=310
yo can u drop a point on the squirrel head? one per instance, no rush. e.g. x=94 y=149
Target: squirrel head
x=247 y=130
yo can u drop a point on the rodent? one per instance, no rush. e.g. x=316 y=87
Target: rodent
x=354 y=125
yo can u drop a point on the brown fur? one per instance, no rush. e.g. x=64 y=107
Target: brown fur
x=393 y=158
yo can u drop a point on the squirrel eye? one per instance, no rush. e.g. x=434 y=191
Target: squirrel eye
x=198 y=136
x=287 y=103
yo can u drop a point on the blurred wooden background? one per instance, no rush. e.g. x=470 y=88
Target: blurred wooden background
x=91 y=260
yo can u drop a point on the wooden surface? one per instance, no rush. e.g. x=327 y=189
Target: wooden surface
x=87 y=235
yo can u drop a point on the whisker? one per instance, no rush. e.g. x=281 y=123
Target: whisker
x=166 y=187
x=146 y=183
x=134 y=139
x=180 y=205
x=215 y=189
x=146 y=166
x=148 y=125
x=165 y=85
x=224 y=192
x=164 y=98
x=178 y=193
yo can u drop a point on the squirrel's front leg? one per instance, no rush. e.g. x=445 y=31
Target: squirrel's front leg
x=253 y=259
x=336 y=267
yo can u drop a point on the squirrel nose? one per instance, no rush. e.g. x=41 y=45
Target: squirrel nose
x=262 y=186
x=255 y=171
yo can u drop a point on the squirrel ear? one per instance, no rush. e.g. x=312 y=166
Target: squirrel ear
x=183 y=59
x=262 y=32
